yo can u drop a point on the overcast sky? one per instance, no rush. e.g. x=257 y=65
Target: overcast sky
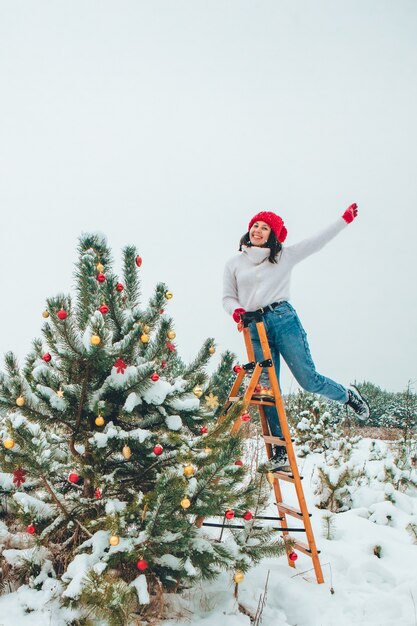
x=168 y=124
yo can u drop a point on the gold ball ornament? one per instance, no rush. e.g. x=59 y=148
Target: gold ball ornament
x=171 y=334
x=197 y=391
x=169 y=295
x=95 y=340
x=114 y=540
x=270 y=478
x=185 y=503
x=239 y=577
x=144 y=338
x=8 y=443
x=45 y=314
x=99 y=420
x=100 y=268
x=127 y=452
x=212 y=350
x=189 y=470
x=20 y=401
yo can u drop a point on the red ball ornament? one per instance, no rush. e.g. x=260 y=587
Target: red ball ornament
x=237 y=369
x=31 y=529
x=204 y=430
x=158 y=449
x=73 y=478
x=97 y=494
x=239 y=462
x=62 y=314
x=229 y=514
x=163 y=364
x=103 y=309
x=155 y=377
x=247 y=516
x=47 y=357
x=101 y=277
x=142 y=565
x=119 y=287
x=258 y=387
x=245 y=417
x=293 y=556
x=138 y=261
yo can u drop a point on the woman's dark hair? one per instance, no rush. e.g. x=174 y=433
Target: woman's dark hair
x=273 y=244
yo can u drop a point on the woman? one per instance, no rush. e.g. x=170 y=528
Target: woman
x=259 y=278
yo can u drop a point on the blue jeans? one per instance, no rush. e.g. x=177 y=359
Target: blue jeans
x=287 y=337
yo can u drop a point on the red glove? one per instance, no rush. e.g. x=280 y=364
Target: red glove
x=350 y=213
x=237 y=315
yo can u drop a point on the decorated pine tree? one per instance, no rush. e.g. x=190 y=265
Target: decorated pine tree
x=111 y=455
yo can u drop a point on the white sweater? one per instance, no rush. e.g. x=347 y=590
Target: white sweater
x=252 y=282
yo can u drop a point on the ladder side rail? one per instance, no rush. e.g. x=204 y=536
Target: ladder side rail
x=290 y=451
x=247 y=396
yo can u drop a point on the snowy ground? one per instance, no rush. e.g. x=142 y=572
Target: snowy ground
x=367 y=590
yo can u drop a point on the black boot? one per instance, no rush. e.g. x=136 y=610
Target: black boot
x=358 y=403
x=279 y=460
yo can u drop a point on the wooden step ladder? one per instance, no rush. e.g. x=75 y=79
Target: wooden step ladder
x=255 y=369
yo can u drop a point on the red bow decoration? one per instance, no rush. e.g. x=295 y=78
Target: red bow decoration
x=170 y=346
x=19 y=477
x=120 y=366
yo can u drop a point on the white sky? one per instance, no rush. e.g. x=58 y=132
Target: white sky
x=169 y=124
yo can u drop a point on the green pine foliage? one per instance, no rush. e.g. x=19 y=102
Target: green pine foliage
x=107 y=433
x=318 y=428
x=334 y=487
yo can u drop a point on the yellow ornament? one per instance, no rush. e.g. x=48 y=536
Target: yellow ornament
x=114 y=540
x=146 y=329
x=239 y=577
x=197 y=391
x=100 y=268
x=144 y=338
x=99 y=420
x=212 y=350
x=60 y=393
x=8 y=444
x=208 y=450
x=270 y=478
x=127 y=452
x=185 y=503
x=212 y=401
x=171 y=334
x=95 y=340
x=169 y=295
x=20 y=401
x=45 y=314
x=189 y=470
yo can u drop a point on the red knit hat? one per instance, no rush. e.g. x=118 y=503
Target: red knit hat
x=274 y=221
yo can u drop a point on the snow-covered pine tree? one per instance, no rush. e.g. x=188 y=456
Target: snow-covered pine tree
x=110 y=452
x=317 y=427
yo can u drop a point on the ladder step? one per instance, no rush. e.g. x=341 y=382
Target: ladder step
x=289 y=510
x=234 y=398
x=304 y=548
x=275 y=440
x=263 y=402
x=289 y=478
